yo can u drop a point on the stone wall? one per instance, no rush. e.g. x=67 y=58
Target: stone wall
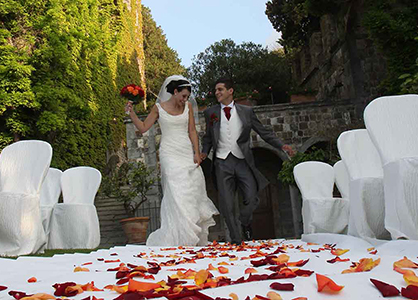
x=340 y=62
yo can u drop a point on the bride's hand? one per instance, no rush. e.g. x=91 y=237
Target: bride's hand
x=129 y=107
x=197 y=159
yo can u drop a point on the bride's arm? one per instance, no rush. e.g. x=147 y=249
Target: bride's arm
x=193 y=136
x=149 y=121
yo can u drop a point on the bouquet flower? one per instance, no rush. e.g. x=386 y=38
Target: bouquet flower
x=132 y=92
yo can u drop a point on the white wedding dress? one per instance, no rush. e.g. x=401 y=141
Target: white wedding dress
x=186 y=210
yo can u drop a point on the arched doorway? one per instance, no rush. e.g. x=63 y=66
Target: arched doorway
x=273 y=217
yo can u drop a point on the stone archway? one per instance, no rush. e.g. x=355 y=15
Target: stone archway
x=317 y=141
x=273 y=217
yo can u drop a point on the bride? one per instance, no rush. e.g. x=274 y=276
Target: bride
x=186 y=211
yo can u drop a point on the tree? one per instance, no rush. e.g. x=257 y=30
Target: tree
x=160 y=60
x=255 y=71
x=292 y=19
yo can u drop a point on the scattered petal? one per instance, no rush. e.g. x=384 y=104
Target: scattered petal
x=387 y=290
x=32 y=279
x=201 y=277
x=337 y=259
x=140 y=286
x=250 y=270
x=274 y=296
x=410 y=292
x=405 y=263
x=40 y=296
x=282 y=286
x=233 y=296
x=339 y=252
x=325 y=284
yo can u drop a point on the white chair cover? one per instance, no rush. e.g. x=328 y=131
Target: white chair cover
x=341 y=179
x=23 y=166
x=50 y=193
x=74 y=223
x=321 y=212
x=367 y=203
x=392 y=124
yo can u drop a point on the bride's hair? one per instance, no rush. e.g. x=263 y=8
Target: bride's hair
x=178 y=85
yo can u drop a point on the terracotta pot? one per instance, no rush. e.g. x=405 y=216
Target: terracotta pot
x=301 y=98
x=135 y=229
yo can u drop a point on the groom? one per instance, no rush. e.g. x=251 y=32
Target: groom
x=228 y=128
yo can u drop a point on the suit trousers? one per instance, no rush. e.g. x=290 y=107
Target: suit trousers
x=231 y=174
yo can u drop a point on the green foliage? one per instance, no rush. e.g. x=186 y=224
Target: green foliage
x=160 y=60
x=410 y=84
x=286 y=173
x=62 y=63
x=293 y=19
x=127 y=183
x=393 y=25
x=251 y=67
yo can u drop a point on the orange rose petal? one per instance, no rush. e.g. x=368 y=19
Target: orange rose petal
x=339 y=252
x=118 y=289
x=325 y=283
x=250 y=270
x=80 y=269
x=281 y=259
x=223 y=270
x=201 y=277
x=39 y=296
x=411 y=278
x=32 y=279
x=364 y=265
x=89 y=287
x=405 y=263
x=212 y=268
x=274 y=296
x=140 y=286
x=233 y=296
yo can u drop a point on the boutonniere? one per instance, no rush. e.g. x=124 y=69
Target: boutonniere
x=213 y=119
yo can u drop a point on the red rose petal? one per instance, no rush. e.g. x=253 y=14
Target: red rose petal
x=282 y=286
x=18 y=295
x=337 y=258
x=387 y=290
x=2 y=288
x=410 y=292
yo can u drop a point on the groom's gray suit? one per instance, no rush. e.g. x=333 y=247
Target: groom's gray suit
x=232 y=172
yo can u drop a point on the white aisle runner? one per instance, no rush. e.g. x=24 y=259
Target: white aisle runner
x=232 y=263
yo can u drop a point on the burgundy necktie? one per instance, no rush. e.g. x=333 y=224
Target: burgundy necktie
x=227 y=111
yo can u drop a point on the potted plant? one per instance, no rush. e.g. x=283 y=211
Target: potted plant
x=130 y=183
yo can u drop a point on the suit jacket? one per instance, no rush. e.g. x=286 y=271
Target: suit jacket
x=249 y=121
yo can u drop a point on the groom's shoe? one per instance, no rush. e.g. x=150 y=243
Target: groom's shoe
x=248 y=232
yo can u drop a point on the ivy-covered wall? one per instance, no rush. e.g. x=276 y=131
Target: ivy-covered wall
x=62 y=64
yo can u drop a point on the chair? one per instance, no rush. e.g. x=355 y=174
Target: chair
x=23 y=166
x=392 y=124
x=50 y=192
x=341 y=179
x=367 y=203
x=74 y=223
x=321 y=212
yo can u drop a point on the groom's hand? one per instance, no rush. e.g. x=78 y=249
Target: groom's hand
x=289 y=150
x=203 y=156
